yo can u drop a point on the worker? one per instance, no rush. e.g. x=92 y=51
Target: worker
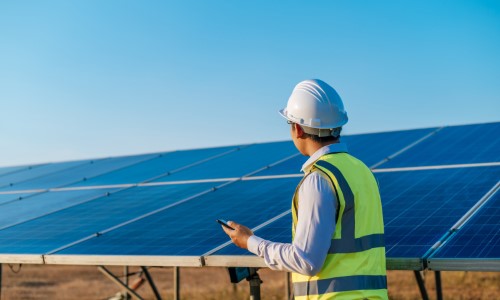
x=337 y=249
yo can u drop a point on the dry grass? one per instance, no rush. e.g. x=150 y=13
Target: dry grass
x=81 y=282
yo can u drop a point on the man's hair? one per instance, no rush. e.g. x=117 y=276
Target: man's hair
x=323 y=139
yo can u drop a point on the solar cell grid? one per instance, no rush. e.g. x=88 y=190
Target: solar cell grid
x=44 y=203
x=6 y=198
x=236 y=164
x=479 y=238
x=465 y=144
x=370 y=148
x=36 y=172
x=155 y=167
x=421 y=206
x=190 y=228
x=8 y=170
x=78 y=173
x=66 y=226
x=279 y=231
x=374 y=147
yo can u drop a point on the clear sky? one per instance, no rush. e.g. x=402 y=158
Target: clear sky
x=85 y=79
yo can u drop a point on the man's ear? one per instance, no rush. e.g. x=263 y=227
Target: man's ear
x=299 y=132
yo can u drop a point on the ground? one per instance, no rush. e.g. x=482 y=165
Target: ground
x=83 y=282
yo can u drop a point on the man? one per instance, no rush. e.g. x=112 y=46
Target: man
x=338 y=245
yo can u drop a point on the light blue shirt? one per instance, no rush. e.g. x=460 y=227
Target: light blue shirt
x=315 y=225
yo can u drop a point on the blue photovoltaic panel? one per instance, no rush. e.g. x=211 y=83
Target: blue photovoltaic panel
x=373 y=148
x=79 y=173
x=279 y=231
x=6 y=198
x=44 y=203
x=479 y=238
x=9 y=170
x=369 y=148
x=155 y=167
x=236 y=164
x=465 y=144
x=69 y=225
x=421 y=206
x=36 y=172
x=190 y=228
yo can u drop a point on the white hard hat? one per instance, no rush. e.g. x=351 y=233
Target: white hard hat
x=317 y=107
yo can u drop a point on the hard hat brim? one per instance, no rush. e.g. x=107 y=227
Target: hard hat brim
x=282 y=113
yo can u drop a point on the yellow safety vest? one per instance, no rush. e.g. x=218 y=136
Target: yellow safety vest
x=355 y=264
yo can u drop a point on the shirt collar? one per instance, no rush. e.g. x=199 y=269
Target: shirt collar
x=331 y=148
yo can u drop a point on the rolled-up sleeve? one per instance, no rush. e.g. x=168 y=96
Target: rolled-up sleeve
x=313 y=234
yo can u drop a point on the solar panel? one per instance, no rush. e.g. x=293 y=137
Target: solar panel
x=374 y=147
x=190 y=229
x=55 y=230
x=476 y=245
x=236 y=164
x=171 y=213
x=369 y=148
x=465 y=144
x=8 y=170
x=279 y=231
x=158 y=166
x=37 y=205
x=419 y=208
x=36 y=172
x=5 y=198
x=77 y=173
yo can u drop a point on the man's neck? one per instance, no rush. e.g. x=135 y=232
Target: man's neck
x=312 y=146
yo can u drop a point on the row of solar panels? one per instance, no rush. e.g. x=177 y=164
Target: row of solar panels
x=169 y=219
x=442 y=146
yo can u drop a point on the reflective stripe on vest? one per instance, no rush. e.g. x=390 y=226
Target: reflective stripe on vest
x=353 y=266
x=340 y=284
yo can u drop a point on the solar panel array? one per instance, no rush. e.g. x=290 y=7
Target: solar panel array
x=160 y=209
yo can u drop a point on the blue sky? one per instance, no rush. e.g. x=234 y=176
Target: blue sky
x=84 y=79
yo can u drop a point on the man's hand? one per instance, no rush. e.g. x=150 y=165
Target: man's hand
x=239 y=235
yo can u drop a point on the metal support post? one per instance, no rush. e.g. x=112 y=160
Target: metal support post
x=125 y=272
x=177 y=276
x=255 y=282
x=119 y=282
x=439 y=288
x=421 y=285
x=288 y=290
x=151 y=282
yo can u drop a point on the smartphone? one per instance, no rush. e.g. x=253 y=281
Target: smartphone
x=224 y=223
